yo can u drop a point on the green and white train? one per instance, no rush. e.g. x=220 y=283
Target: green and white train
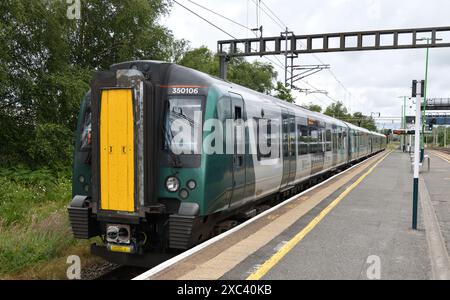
x=147 y=201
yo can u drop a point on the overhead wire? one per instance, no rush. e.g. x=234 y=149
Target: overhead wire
x=279 y=63
x=204 y=19
x=220 y=15
x=217 y=27
x=283 y=26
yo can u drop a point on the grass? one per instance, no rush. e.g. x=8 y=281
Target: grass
x=35 y=236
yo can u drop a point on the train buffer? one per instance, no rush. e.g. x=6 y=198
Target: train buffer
x=356 y=225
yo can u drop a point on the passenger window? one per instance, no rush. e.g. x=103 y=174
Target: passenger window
x=285 y=138
x=314 y=139
x=292 y=137
x=302 y=139
x=328 y=140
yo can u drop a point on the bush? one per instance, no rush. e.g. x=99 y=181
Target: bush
x=52 y=147
x=33 y=219
x=22 y=192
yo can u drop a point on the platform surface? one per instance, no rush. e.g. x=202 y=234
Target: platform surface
x=372 y=220
x=346 y=226
x=438 y=184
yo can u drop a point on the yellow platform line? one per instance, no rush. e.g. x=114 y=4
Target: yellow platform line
x=276 y=258
x=441 y=156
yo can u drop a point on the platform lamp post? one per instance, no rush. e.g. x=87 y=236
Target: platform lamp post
x=418 y=90
x=422 y=140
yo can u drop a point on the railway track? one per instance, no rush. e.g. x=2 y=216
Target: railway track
x=444 y=150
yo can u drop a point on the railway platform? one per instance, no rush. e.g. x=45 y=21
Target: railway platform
x=356 y=225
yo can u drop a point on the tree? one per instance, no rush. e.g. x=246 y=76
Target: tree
x=283 y=93
x=363 y=121
x=337 y=110
x=47 y=60
x=313 y=107
x=201 y=59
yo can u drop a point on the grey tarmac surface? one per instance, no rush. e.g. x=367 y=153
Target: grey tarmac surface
x=438 y=184
x=374 y=220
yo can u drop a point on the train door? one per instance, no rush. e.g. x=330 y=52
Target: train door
x=117 y=150
x=292 y=149
x=318 y=155
x=237 y=109
x=288 y=148
x=334 y=145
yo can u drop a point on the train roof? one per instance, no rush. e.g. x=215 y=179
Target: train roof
x=184 y=75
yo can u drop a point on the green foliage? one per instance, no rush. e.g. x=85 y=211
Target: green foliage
x=47 y=60
x=363 y=121
x=386 y=132
x=42 y=147
x=23 y=191
x=25 y=248
x=201 y=59
x=283 y=93
x=33 y=222
x=339 y=111
x=313 y=107
x=256 y=76
x=437 y=137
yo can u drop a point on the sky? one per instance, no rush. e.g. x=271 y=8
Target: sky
x=369 y=81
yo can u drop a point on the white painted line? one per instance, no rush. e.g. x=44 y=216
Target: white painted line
x=168 y=263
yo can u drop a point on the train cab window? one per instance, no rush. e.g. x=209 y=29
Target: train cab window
x=86 y=133
x=182 y=131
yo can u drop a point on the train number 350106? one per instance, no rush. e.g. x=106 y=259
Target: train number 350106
x=193 y=91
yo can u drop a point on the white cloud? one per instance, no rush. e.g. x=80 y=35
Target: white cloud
x=374 y=79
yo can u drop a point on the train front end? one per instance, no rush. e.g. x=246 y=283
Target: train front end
x=121 y=164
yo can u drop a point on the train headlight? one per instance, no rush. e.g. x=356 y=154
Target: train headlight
x=184 y=194
x=112 y=233
x=192 y=184
x=172 y=184
x=118 y=234
x=124 y=235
